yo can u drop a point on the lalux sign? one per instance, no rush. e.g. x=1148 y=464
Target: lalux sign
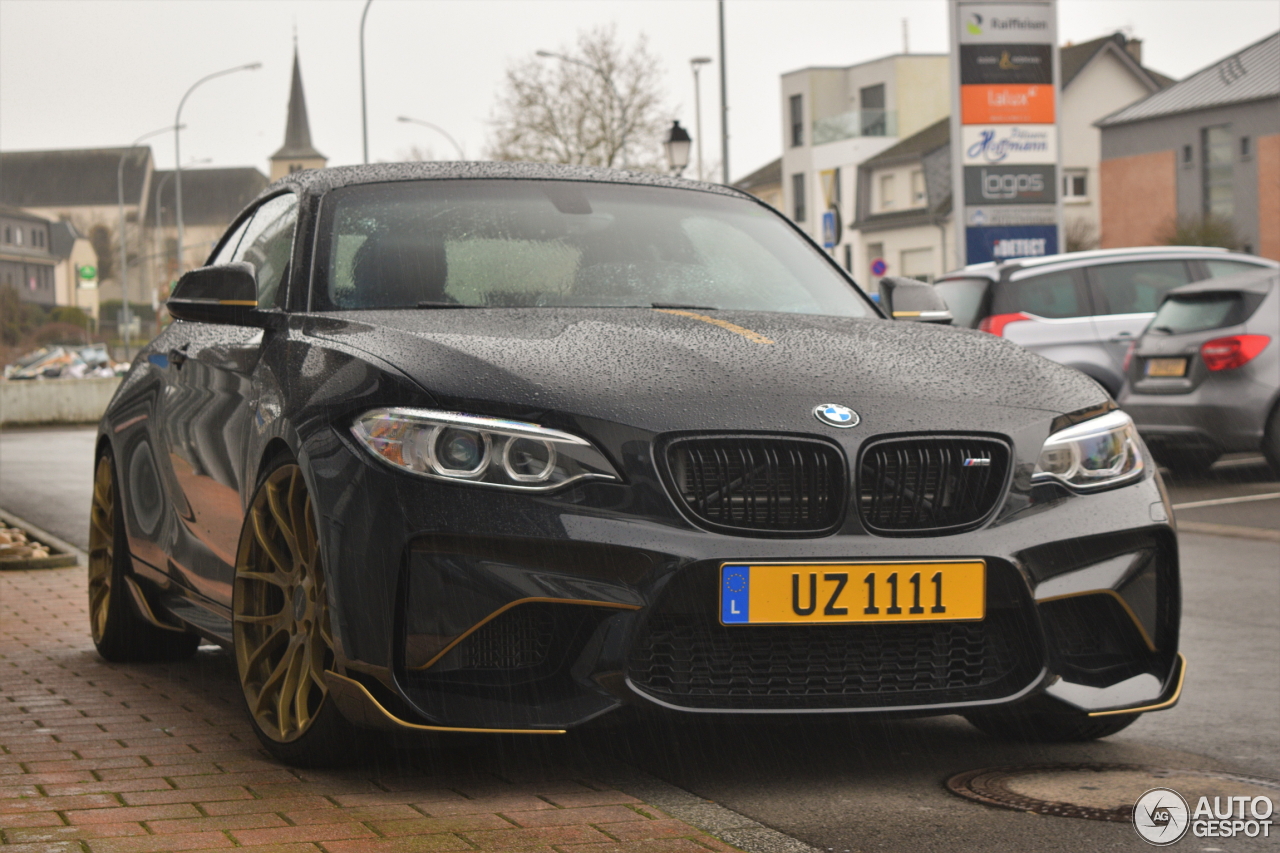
x=1004 y=110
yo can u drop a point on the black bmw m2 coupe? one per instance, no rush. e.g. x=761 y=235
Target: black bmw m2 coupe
x=494 y=447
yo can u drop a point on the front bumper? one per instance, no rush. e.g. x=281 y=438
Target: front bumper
x=459 y=608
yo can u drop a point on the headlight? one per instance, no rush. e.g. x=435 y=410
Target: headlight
x=1096 y=454
x=486 y=451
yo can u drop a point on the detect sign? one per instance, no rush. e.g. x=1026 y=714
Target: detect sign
x=1005 y=68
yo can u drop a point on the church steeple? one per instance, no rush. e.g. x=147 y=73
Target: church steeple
x=297 y=152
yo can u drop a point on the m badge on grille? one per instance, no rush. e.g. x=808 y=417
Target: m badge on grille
x=836 y=415
x=979 y=462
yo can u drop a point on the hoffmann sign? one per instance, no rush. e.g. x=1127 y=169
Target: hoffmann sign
x=1004 y=131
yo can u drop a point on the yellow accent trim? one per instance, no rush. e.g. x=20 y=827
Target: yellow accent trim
x=504 y=608
x=907 y=313
x=252 y=303
x=141 y=601
x=1146 y=638
x=1182 y=662
x=404 y=724
x=754 y=337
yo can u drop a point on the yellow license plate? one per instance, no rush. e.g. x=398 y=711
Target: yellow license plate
x=801 y=593
x=1167 y=367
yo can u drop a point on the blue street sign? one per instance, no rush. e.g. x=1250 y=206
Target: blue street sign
x=829 y=236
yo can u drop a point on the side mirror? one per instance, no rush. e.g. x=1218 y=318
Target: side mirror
x=916 y=301
x=225 y=294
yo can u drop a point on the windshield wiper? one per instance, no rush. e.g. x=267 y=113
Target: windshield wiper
x=429 y=304
x=679 y=306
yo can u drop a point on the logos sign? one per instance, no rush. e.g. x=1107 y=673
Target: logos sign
x=1006 y=104
x=991 y=185
x=1009 y=143
x=1006 y=63
x=1010 y=23
x=1015 y=214
x=1007 y=242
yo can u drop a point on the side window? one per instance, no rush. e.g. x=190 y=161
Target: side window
x=1222 y=269
x=228 y=249
x=1056 y=295
x=268 y=245
x=1137 y=287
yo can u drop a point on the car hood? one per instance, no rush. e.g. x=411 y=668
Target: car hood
x=666 y=369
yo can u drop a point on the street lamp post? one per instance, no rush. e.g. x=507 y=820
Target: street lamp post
x=177 y=140
x=697 y=62
x=438 y=129
x=364 y=104
x=622 y=107
x=677 y=146
x=127 y=314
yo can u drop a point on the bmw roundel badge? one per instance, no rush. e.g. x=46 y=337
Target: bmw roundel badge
x=836 y=415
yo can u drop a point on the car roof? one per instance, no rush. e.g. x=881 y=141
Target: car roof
x=319 y=181
x=1251 y=282
x=994 y=270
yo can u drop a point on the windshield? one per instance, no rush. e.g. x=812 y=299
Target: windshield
x=514 y=243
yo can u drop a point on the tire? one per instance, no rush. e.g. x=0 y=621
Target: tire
x=1188 y=463
x=1046 y=727
x=119 y=633
x=1271 y=440
x=283 y=642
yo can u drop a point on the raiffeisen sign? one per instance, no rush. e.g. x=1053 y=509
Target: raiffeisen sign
x=1004 y=128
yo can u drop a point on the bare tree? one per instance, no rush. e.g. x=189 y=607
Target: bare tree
x=597 y=104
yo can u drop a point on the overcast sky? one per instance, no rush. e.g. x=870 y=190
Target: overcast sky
x=76 y=74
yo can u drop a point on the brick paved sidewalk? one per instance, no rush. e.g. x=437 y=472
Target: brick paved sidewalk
x=133 y=758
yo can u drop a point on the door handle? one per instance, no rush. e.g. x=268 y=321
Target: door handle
x=1121 y=337
x=177 y=357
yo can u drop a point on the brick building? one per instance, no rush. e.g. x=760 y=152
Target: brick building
x=1207 y=146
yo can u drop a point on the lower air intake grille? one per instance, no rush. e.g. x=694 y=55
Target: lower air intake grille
x=760 y=484
x=809 y=666
x=517 y=639
x=930 y=485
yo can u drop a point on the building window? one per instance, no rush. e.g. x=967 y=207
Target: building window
x=836 y=195
x=1219 y=186
x=1075 y=184
x=1245 y=147
x=886 y=192
x=797 y=121
x=918 y=195
x=797 y=197
x=918 y=264
x=1188 y=155
x=17 y=236
x=871 y=105
x=8 y=234
x=848 y=257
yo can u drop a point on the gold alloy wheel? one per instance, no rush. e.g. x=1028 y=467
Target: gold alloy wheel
x=282 y=637
x=102 y=546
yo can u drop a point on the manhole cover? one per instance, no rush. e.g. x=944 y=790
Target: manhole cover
x=1096 y=791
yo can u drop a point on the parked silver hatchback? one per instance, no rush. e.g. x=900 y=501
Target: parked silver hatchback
x=1204 y=378
x=1083 y=309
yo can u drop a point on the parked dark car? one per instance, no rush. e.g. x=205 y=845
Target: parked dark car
x=505 y=447
x=1083 y=309
x=1204 y=378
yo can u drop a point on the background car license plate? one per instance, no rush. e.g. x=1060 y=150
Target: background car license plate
x=774 y=594
x=1167 y=367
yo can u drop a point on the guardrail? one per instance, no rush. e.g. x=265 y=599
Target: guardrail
x=55 y=401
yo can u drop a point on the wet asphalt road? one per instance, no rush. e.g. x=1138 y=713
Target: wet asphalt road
x=844 y=784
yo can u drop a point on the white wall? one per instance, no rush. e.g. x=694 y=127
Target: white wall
x=1103 y=86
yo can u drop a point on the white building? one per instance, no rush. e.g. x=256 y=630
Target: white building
x=903 y=208
x=835 y=118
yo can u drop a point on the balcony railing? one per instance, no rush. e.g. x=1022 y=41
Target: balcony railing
x=855 y=123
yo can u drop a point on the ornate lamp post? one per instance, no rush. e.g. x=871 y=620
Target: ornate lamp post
x=677 y=145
